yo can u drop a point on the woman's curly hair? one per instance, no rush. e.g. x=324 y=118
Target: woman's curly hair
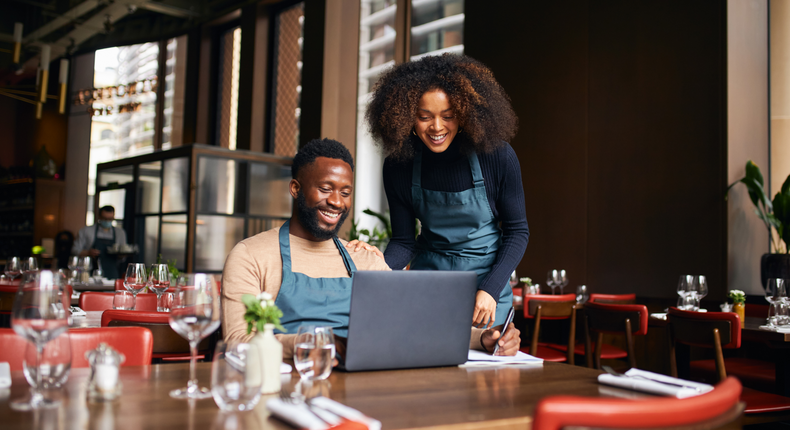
x=479 y=102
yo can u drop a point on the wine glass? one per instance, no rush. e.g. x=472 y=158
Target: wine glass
x=684 y=286
x=39 y=315
x=775 y=294
x=31 y=265
x=563 y=280
x=194 y=314
x=236 y=377
x=314 y=350
x=72 y=264
x=13 y=267
x=553 y=279
x=55 y=363
x=513 y=280
x=700 y=287
x=159 y=282
x=135 y=279
x=581 y=294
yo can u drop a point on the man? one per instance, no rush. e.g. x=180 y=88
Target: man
x=95 y=240
x=303 y=264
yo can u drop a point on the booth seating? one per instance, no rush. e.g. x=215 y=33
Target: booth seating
x=714 y=409
x=99 y=301
x=168 y=345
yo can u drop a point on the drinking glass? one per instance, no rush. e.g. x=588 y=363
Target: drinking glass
x=691 y=302
x=55 y=363
x=31 y=265
x=684 y=286
x=775 y=293
x=581 y=294
x=39 y=315
x=553 y=279
x=563 y=280
x=13 y=267
x=778 y=314
x=123 y=300
x=513 y=280
x=700 y=286
x=159 y=282
x=236 y=376
x=194 y=314
x=135 y=279
x=533 y=289
x=314 y=350
x=73 y=264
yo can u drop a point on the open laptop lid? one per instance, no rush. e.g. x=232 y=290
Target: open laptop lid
x=408 y=319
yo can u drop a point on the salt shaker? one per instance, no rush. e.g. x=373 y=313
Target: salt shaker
x=105 y=363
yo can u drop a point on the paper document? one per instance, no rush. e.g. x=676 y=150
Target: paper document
x=480 y=358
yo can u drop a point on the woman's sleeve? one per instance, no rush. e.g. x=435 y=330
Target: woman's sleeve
x=513 y=218
x=400 y=249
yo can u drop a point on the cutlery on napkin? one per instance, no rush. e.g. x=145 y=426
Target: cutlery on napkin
x=298 y=414
x=655 y=383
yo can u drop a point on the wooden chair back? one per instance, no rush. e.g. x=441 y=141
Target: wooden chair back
x=717 y=330
x=551 y=307
x=599 y=318
x=613 y=299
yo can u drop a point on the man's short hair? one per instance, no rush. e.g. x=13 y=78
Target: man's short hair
x=107 y=208
x=320 y=148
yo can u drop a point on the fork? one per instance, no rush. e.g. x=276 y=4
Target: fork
x=289 y=397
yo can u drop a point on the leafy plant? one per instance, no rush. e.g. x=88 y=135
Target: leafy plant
x=261 y=310
x=526 y=281
x=737 y=296
x=171 y=266
x=377 y=237
x=775 y=214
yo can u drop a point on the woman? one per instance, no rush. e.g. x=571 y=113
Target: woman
x=443 y=123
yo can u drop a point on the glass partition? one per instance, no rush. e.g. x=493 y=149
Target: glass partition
x=174 y=190
x=149 y=187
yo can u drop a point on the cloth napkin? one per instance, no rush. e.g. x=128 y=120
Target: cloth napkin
x=776 y=329
x=285 y=368
x=635 y=380
x=5 y=375
x=299 y=415
x=76 y=311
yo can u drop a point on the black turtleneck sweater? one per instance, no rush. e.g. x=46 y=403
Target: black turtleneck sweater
x=449 y=171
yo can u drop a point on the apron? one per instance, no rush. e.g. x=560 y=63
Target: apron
x=107 y=262
x=459 y=231
x=317 y=301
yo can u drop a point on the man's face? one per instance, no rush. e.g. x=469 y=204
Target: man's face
x=323 y=196
x=106 y=215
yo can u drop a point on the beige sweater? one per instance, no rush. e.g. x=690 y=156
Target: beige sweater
x=255 y=265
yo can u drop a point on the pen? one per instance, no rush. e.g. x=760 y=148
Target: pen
x=508 y=320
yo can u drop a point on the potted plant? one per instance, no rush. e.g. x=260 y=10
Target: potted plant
x=738 y=303
x=263 y=315
x=776 y=216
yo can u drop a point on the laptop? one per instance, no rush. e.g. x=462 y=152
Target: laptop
x=409 y=319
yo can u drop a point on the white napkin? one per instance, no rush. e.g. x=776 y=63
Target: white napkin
x=285 y=368
x=659 y=315
x=76 y=311
x=776 y=329
x=298 y=415
x=5 y=375
x=654 y=384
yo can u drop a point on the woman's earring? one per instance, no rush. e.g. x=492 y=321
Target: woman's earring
x=413 y=132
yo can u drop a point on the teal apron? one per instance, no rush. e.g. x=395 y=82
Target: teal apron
x=459 y=231
x=317 y=301
x=107 y=262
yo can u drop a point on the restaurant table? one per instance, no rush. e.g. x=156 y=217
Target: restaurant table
x=449 y=397
x=751 y=332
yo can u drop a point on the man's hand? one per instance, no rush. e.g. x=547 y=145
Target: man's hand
x=485 y=310
x=340 y=349
x=94 y=252
x=357 y=245
x=508 y=345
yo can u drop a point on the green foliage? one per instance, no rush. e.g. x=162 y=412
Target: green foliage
x=526 y=281
x=774 y=214
x=737 y=296
x=261 y=310
x=171 y=266
x=377 y=237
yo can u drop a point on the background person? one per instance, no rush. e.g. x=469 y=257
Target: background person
x=95 y=240
x=444 y=122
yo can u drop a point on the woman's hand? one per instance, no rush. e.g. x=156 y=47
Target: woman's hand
x=485 y=310
x=508 y=344
x=357 y=245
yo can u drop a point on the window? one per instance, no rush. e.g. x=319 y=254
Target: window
x=228 y=88
x=287 y=80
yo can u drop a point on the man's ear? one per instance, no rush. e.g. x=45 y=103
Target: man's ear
x=293 y=187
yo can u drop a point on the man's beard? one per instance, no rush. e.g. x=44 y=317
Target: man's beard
x=308 y=217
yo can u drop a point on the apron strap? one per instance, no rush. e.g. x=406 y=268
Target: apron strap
x=416 y=170
x=347 y=261
x=285 y=251
x=477 y=172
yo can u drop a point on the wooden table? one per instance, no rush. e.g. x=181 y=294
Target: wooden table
x=778 y=342
x=448 y=397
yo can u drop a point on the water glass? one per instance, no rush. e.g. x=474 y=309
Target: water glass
x=314 y=350
x=778 y=315
x=581 y=294
x=236 y=376
x=513 y=279
x=691 y=302
x=55 y=363
x=123 y=300
x=532 y=290
x=13 y=267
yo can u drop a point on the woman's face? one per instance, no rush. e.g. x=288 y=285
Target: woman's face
x=436 y=123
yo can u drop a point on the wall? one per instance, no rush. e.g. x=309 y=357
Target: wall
x=780 y=93
x=622 y=139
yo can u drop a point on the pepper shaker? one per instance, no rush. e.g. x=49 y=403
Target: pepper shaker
x=105 y=363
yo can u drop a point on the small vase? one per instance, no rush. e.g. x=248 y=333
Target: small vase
x=271 y=351
x=740 y=309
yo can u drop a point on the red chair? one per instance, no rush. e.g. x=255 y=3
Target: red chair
x=119 y=285
x=95 y=301
x=135 y=343
x=539 y=307
x=719 y=330
x=712 y=409
x=613 y=299
x=600 y=319
x=168 y=345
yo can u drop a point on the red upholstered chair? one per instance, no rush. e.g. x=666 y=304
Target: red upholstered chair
x=119 y=285
x=600 y=319
x=710 y=410
x=7 y=294
x=96 y=301
x=719 y=330
x=613 y=299
x=540 y=307
x=135 y=343
x=168 y=345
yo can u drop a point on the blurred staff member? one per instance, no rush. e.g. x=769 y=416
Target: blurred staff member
x=95 y=241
